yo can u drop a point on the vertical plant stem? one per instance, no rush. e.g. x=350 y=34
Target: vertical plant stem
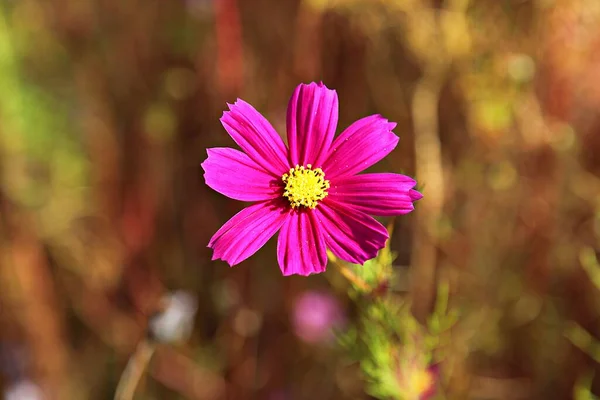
x=428 y=155
x=228 y=31
x=308 y=41
x=134 y=370
x=352 y=277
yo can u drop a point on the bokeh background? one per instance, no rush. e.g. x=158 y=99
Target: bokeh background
x=107 y=108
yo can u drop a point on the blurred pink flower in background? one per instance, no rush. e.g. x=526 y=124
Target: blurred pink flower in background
x=316 y=315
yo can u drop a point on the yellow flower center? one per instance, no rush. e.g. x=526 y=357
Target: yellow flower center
x=305 y=186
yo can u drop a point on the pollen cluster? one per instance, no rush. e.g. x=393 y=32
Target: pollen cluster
x=305 y=186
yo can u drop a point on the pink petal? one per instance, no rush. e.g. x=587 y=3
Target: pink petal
x=255 y=135
x=301 y=248
x=350 y=234
x=312 y=118
x=247 y=231
x=234 y=174
x=377 y=194
x=414 y=195
x=359 y=146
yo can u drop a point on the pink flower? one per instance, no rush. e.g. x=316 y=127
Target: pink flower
x=309 y=192
x=316 y=315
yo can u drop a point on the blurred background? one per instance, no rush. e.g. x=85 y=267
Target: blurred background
x=107 y=108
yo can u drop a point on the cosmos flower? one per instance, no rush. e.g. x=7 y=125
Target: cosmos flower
x=309 y=191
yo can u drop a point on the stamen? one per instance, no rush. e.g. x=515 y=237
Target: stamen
x=305 y=186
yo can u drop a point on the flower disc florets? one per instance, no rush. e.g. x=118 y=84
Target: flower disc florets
x=305 y=186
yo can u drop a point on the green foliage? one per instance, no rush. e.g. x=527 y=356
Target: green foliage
x=395 y=352
x=589 y=262
x=44 y=165
x=580 y=337
x=582 y=389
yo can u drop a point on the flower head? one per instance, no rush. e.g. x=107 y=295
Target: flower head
x=309 y=191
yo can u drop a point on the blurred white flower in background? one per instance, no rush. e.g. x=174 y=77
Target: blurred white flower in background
x=23 y=390
x=176 y=322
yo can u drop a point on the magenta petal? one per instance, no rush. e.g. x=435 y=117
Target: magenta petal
x=312 y=118
x=247 y=231
x=414 y=195
x=359 y=146
x=255 y=135
x=377 y=194
x=301 y=248
x=350 y=234
x=234 y=174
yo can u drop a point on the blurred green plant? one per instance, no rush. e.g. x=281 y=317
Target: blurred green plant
x=399 y=357
x=582 y=389
x=579 y=336
x=43 y=166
